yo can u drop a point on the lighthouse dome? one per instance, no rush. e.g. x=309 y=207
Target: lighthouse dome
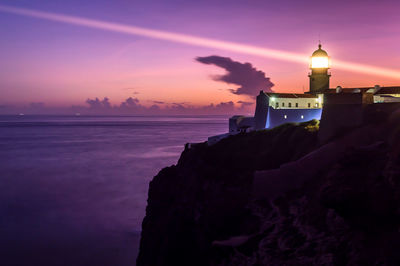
x=320 y=52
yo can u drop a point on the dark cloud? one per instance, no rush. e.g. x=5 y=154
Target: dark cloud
x=97 y=104
x=243 y=103
x=131 y=106
x=130 y=103
x=250 y=80
x=158 y=102
x=224 y=105
x=154 y=109
x=181 y=103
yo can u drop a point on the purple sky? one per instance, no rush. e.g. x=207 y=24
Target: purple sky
x=61 y=65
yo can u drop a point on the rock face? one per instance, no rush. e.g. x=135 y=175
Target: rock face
x=209 y=209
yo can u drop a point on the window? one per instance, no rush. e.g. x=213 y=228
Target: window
x=283 y=104
x=309 y=105
x=285 y=116
x=297 y=104
x=290 y=104
x=276 y=105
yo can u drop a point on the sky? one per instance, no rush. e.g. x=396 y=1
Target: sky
x=63 y=68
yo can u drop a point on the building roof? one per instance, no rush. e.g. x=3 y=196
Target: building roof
x=375 y=90
x=290 y=95
x=320 y=52
x=378 y=90
x=389 y=90
x=349 y=90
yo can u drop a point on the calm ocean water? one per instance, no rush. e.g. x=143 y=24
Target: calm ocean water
x=73 y=190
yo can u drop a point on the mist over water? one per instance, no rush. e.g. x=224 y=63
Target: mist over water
x=73 y=190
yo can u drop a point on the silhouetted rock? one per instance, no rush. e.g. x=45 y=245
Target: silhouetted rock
x=278 y=197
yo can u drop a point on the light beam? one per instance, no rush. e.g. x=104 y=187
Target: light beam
x=196 y=41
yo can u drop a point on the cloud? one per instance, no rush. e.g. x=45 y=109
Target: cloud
x=249 y=79
x=181 y=103
x=97 y=104
x=225 y=105
x=130 y=103
x=130 y=106
x=243 y=103
x=154 y=109
x=158 y=102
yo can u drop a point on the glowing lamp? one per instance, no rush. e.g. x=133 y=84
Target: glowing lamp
x=319 y=75
x=320 y=59
x=319 y=62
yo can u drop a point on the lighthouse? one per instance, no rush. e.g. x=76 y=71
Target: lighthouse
x=319 y=71
x=343 y=107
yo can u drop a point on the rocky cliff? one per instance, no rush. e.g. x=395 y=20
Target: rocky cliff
x=279 y=197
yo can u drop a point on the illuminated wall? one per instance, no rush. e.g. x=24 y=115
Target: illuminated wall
x=276 y=117
x=296 y=103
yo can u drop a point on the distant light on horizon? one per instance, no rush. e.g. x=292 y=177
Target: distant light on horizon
x=196 y=41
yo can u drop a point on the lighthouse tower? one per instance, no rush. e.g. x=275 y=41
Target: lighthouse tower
x=319 y=75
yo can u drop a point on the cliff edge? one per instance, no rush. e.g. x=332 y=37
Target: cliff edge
x=279 y=197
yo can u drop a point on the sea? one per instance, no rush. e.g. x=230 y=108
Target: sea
x=73 y=189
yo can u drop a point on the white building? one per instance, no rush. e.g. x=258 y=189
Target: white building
x=273 y=109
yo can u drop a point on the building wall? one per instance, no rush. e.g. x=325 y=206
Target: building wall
x=268 y=115
x=368 y=98
x=290 y=103
x=343 y=98
x=278 y=117
x=388 y=98
x=260 y=116
x=338 y=118
x=319 y=80
x=240 y=123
